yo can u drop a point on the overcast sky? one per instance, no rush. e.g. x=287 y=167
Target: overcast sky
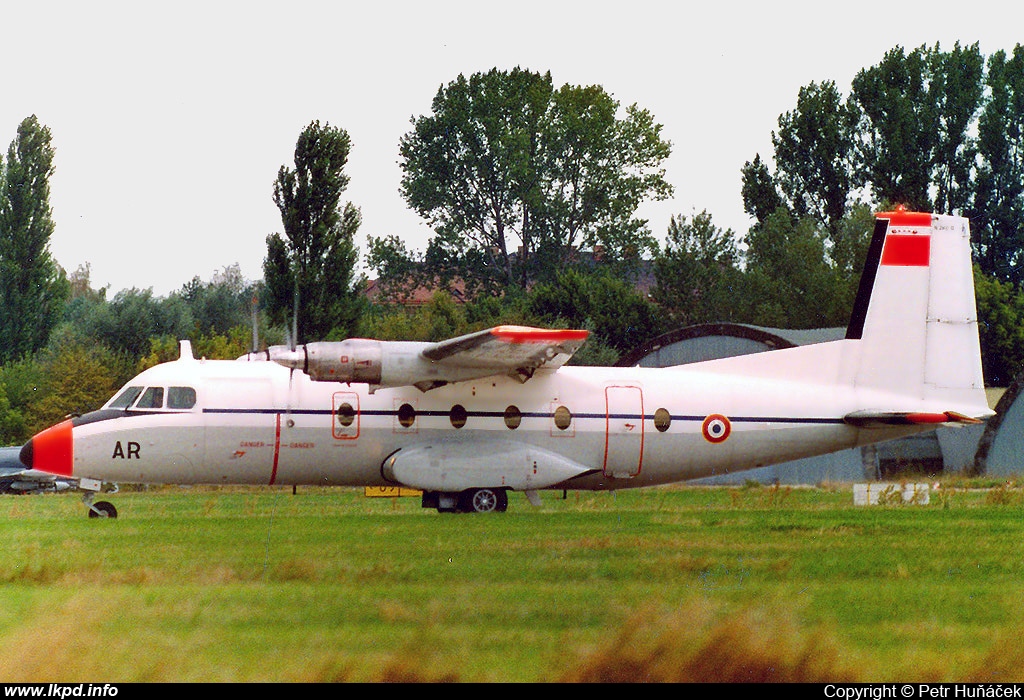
x=170 y=120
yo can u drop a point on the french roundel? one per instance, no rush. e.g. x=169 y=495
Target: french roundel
x=716 y=428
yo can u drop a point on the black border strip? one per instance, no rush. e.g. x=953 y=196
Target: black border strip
x=534 y=414
x=855 y=331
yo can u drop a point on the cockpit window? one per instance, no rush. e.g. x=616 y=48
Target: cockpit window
x=181 y=397
x=153 y=398
x=126 y=398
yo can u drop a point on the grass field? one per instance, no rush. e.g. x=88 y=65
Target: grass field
x=689 y=584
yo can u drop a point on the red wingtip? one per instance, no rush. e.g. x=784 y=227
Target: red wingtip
x=525 y=334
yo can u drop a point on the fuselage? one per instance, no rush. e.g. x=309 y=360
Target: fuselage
x=236 y=422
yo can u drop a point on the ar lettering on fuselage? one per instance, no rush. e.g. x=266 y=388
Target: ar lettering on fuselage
x=120 y=452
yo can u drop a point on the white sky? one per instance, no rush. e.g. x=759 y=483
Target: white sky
x=170 y=120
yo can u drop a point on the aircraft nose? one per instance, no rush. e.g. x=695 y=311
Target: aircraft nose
x=50 y=451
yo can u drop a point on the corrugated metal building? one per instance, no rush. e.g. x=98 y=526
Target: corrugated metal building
x=1001 y=449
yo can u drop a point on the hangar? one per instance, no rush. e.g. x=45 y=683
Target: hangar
x=942 y=450
x=1001 y=448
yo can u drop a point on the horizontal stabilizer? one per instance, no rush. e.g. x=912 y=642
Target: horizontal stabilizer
x=884 y=419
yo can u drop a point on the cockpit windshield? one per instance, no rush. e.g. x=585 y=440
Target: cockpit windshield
x=178 y=398
x=126 y=398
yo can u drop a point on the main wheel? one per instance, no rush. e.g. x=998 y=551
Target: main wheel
x=102 y=509
x=486 y=500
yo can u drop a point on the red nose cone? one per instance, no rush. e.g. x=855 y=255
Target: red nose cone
x=51 y=450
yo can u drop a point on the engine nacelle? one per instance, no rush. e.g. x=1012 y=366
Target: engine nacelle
x=458 y=465
x=379 y=363
x=354 y=360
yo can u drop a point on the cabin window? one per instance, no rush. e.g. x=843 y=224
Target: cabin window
x=513 y=417
x=181 y=397
x=662 y=419
x=457 y=416
x=406 y=415
x=346 y=415
x=563 y=418
x=152 y=398
x=126 y=398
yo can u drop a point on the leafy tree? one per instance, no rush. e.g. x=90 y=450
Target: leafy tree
x=619 y=318
x=223 y=303
x=956 y=87
x=311 y=270
x=698 y=273
x=898 y=127
x=440 y=318
x=71 y=375
x=33 y=288
x=594 y=172
x=504 y=158
x=847 y=253
x=1000 y=327
x=813 y=154
x=133 y=316
x=760 y=193
x=76 y=379
x=399 y=270
x=468 y=168
x=917 y=111
x=791 y=283
x=997 y=212
x=214 y=346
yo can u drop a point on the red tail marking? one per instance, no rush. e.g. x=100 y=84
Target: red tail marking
x=907 y=251
x=901 y=217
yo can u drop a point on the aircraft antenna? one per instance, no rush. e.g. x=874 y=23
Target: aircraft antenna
x=255 y=327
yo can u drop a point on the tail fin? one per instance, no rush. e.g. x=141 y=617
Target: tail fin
x=911 y=352
x=915 y=322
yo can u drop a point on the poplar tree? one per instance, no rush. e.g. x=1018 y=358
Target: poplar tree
x=310 y=271
x=33 y=288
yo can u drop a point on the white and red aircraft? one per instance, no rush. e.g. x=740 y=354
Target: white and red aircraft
x=468 y=419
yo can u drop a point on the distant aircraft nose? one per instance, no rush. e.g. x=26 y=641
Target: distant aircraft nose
x=51 y=451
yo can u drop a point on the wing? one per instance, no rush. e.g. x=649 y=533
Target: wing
x=518 y=351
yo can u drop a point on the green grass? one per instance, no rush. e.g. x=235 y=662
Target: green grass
x=660 y=584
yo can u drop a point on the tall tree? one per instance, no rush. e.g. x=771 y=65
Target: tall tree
x=956 y=87
x=311 y=270
x=790 y=280
x=760 y=193
x=516 y=177
x=813 y=154
x=898 y=127
x=1000 y=328
x=997 y=210
x=33 y=288
x=594 y=170
x=468 y=168
x=698 y=275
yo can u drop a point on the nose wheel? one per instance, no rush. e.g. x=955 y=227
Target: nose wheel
x=99 y=509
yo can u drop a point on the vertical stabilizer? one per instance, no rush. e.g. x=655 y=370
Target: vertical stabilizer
x=915 y=323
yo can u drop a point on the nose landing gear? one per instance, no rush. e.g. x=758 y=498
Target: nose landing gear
x=98 y=509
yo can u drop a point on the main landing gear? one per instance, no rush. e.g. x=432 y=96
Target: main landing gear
x=482 y=500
